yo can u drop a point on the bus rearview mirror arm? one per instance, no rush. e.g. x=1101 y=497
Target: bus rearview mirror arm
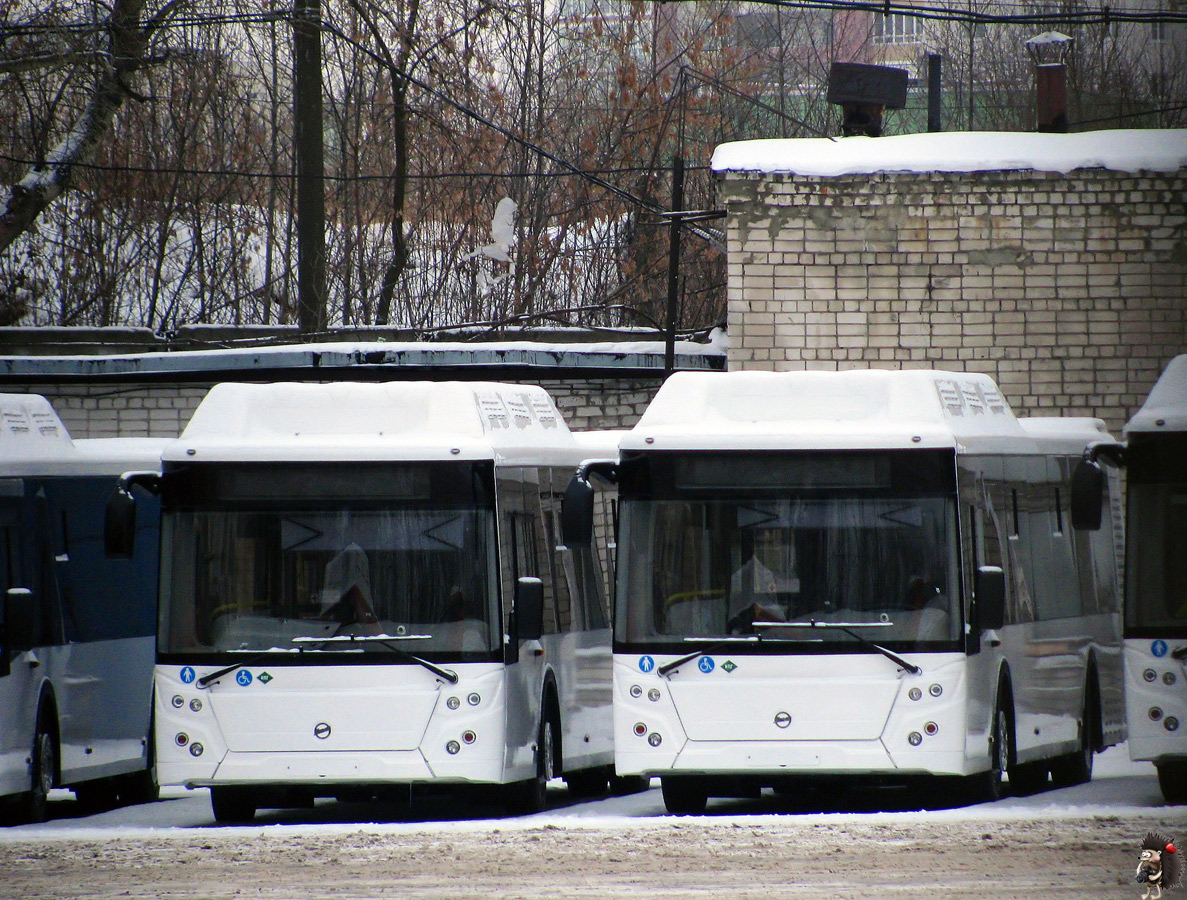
x=119 y=523
x=578 y=504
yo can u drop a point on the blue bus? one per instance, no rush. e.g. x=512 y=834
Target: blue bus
x=76 y=628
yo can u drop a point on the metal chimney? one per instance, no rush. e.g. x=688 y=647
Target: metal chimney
x=1049 y=51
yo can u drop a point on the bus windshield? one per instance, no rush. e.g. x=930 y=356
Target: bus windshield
x=1157 y=581
x=289 y=578
x=757 y=565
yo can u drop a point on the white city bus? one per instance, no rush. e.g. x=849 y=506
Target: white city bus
x=1155 y=460
x=856 y=575
x=76 y=628
x=363 y=589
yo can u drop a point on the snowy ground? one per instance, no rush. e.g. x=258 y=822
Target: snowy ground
x=1081 y=840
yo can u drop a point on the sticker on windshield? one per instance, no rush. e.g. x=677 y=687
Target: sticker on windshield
x=705 y=664
x=188 y=674
x=646 y=663
x=1158 y=648
x=243 y=677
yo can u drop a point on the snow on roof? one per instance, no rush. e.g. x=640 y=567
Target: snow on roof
x=1166 y=407
x=1070 y=434
x=1126 y=150
x=390 y=420
x=856 y=409
x=34 y=442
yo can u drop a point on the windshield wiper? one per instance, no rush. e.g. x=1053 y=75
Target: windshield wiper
x=716 y=645
x=386 y=640
x=848 y=627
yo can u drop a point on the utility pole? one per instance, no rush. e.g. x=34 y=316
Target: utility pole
x=674 y=264
x=308 y=150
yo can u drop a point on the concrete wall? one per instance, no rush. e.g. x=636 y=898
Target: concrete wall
x=1069 y=290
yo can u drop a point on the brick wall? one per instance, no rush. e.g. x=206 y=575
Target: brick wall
x=1069 y=290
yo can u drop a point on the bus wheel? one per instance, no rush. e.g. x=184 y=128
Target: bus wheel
x=531 y=796
x=1076 y=767
x=1172 y=778
x=684 y=796
x=988 y=787
x=43 y=768
x=623 y=785
x=1028 y=778
x=97 y=796
x=232 y=804
x=587 y=783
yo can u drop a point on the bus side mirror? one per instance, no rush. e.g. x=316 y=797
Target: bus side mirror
x=577 y=514
x=1088 y=482
x=529 y=608
x=991 y=597
x=119 y=525
x=18 y=631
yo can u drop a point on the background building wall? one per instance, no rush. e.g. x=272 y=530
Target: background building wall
x=1069 y=290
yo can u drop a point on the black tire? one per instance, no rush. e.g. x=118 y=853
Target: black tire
x=587 y=783
x=684 y=795
x=988 y=787
x=232 y=805
x=1172 y=778
x=1076 y=767
x=139 y=787
x=1028 y=778
x=97 y=796
x=34 y=806
x=527 y=797
x=624 y=785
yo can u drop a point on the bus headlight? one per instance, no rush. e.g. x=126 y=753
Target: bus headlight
x=453 y=702
x=1149 y=675
x=1168 y=678
x=654 y=739
x=1171 y=723
x=196 y=749
x=653 y=695
x=453 y=748
x=474 y=699
x=915 y=693
x=931 y=728
x=181 y=739
x=935 y=690
x=636 y=691
x=195 y=705
x=469 y=737
x=178 y=701
x=1155 y=714
x=640 y=729
x=914 y=739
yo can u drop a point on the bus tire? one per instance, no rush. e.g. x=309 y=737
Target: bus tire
x=97 y=796
x=527 y=797
x=684 y=795
x=587 y=783
x=1028 y=778
x=988 y=787
x=1076 y=767
x=624 y=785
x=232 y=805
x=43 y=768
x=1172 y=779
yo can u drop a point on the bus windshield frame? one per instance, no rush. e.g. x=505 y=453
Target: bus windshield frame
x=746 y=548
x=284 y=560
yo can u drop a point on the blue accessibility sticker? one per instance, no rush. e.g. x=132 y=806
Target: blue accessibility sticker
x=188 y=675
x=646 y=663
x=1158 y=648
x=705 y=664
x=243 y=677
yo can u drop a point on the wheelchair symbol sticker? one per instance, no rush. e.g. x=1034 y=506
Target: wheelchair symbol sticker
x=706 y=664
x=188 y=675
x=1158 y=648
x=243 y=677
x=646 y=663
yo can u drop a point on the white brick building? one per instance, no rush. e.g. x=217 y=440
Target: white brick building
x=1057 y=264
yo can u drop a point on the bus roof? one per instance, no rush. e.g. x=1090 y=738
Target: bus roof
x=854 y=409
x=1165 y=410
x=365 y=421
x=33 y=441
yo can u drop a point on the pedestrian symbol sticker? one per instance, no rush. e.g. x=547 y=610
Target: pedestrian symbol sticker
x=1158 y=648
x=646 y=663
x=706 y=664
x=188 y=675
x=243 y=677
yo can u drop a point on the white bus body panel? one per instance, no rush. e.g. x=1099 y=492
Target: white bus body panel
x=99 y=689
x=786 y=715
x=1149 y=738
x=390 y=723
